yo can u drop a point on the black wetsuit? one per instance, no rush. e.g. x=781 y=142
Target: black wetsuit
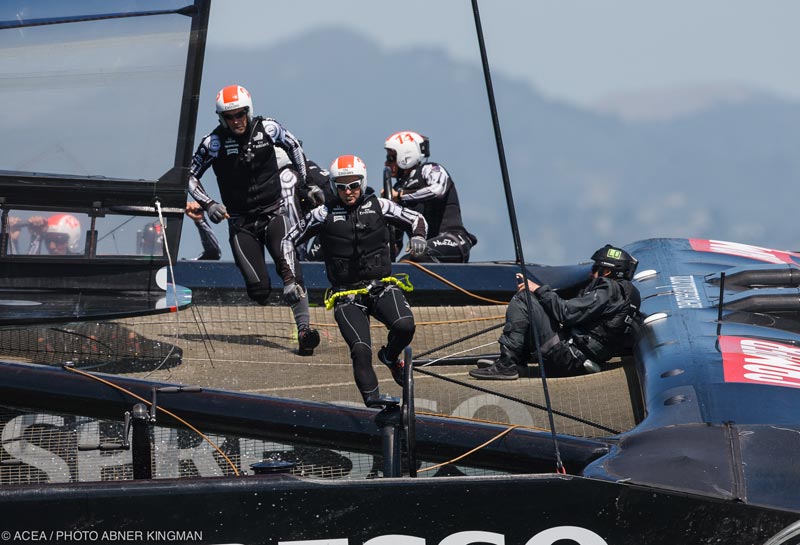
x=593 y=325
x=260 y=196
x=428 y=189
x=356 y=252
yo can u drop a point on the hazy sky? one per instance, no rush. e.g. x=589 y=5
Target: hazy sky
x=575 y=50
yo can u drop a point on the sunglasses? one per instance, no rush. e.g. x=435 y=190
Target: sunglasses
x=237 y=115
x=56 y=238
x=352 y=186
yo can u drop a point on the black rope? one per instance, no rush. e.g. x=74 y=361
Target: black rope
x=457 y=341
x=518 y=400
x=512 y=216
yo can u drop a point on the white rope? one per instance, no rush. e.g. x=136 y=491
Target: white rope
x=174 y=289
x=457 y=353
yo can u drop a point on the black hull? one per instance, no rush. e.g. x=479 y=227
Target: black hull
x=515 y=509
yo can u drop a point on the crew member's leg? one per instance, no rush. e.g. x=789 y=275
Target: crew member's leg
x=515 y=343
x=353 y=322
x=391 y=308
x=307 y=338
x=248 y=253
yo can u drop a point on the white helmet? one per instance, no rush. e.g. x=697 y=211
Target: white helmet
x=348 y=165
x=64 y=226
x=409 y=147
x=233 y=97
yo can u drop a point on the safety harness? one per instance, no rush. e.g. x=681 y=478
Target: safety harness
x=404 y=283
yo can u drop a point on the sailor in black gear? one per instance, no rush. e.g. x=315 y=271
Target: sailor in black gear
x=353 y=232
x=259 y=195
x=575 y=335
x=318 y=192
x=428 y=188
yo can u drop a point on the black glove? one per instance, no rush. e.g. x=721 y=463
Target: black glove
x=417 y=246
x=217 y=212
x=292 y=293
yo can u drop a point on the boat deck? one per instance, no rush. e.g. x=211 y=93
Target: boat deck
x=253 y=349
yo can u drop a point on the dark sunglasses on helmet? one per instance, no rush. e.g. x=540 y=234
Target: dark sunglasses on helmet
x=56 y=238
x=237 y=115
x=352 y=186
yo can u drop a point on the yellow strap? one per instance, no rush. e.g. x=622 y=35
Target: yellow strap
x=404 y=284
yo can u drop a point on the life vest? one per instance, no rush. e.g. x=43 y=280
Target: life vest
x=614 y=330
x=356 y=243
x=247 y=170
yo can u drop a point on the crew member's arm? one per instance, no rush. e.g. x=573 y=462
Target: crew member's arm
x=301 y=231
x=587 y=306
x=437 y=182
x=202 y=159
x=289 y=198
x=289 y=142
x=404 y=218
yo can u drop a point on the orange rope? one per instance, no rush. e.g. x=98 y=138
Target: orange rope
x=165 y=411
x=454 y=460
x=454 y=286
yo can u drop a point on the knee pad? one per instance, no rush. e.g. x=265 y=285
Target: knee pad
x=361 y=354
x=258 y=293
x=404 y=328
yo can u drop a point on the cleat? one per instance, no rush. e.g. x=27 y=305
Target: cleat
x=495 y=372
x=308 y=339
x=396 y=367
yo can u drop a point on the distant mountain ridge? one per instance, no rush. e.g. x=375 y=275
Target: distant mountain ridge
x=670 y=103
x=580 y=178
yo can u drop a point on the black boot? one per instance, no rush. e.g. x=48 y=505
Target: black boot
x=308 y=340
x=396 y=367
x=505 y=368
x=376 y=399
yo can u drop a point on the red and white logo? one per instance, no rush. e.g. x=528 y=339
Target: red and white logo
x=758 y=361
x=742 y=250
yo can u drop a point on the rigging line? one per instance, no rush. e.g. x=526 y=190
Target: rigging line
x=198 y=320
x=111 y=351
x=115 y=229
x=512 y=216
x=23 y=23
x=547 y=408
x=476 y=449
x=162 y=409
x=426 y=364
x=418 y=324
x=451 y=284
x=462 y=339
x=173 y=309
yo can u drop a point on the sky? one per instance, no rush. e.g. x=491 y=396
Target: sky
x=577 y=51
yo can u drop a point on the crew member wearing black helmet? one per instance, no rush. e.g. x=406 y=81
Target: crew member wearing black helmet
x=575 y=335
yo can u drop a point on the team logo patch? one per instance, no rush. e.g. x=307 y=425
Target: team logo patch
x=743 y=250
x=214 y=145
x=759 y=361
x=613 y=253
